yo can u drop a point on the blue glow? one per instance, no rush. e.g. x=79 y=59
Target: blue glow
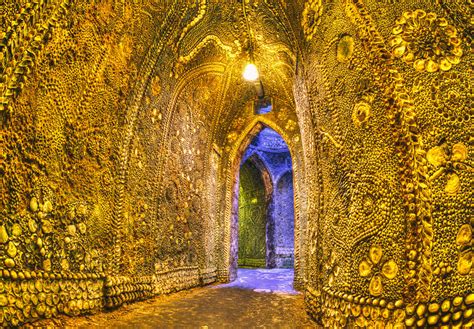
x=277 y=281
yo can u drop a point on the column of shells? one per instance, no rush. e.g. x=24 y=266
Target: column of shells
x=31 y=298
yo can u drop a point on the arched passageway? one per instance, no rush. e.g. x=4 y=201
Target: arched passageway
x=266 y=204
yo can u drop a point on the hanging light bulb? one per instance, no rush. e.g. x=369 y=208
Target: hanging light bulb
x=251 y=72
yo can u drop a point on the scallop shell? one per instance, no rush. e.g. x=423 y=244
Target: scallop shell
x=375 y=253
x=390 y=269
x=459 y=152
x=436 y=156
x=365 y=267
x=453 y=185
x=464 y=235
x=375 y=285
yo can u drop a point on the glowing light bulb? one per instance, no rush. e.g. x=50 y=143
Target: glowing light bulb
x=251 y=72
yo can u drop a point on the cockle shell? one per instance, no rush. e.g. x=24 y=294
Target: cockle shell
x=464 y=235
x=459 y=152
x=390 y=269
x=453 y=185
x=436 y=156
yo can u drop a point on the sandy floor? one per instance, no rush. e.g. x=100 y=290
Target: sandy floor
x=257 y=299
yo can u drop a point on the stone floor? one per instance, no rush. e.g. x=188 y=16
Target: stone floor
x=264 y=280
x=257 y=299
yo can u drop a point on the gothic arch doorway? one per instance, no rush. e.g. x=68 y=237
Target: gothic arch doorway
x=262 y=230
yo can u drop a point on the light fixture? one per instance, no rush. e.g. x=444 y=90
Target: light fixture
x=251 y=72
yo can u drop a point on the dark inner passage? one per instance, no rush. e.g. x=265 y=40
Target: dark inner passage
x=266 y=204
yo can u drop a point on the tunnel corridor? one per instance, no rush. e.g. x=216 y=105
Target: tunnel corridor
x=241 y=163
x=257 y=299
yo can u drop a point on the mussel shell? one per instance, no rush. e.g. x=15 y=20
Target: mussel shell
x=49 y=300
x=26 y=297
x=55 y=287
x=62 y=285
x=42 y=297
x=34 y=299
x=27 y=311
x=31 y=287
x=39 y=285
x=16 y=287
x=56 y=299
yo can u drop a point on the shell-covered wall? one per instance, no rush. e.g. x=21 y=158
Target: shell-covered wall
x=386 y=93
x=123 y=124
x=115 y=116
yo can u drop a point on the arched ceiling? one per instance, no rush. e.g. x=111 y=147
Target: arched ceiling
x=220 y=33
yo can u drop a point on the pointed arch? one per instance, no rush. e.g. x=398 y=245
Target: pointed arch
x=229 y=225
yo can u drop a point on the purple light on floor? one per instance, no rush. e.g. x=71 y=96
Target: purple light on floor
x=264 y=280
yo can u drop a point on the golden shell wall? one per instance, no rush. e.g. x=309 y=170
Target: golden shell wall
x=121 y=121
x=391 y=108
